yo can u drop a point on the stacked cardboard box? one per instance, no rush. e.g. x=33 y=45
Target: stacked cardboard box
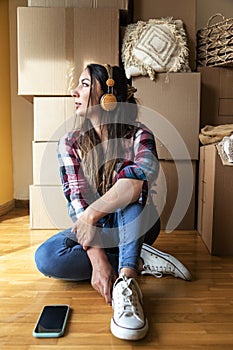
x=120 y=4
x=53 y=117
x=176 y=98
x=56 y=40
x=215 y=196
x=216 y=95
x=50 y=61
x=55 y=45
x=124 y=6
x=170 y=108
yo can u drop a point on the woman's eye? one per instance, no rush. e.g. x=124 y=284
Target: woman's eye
x=85 y=83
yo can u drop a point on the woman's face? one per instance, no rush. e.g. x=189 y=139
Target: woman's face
x=82 y=91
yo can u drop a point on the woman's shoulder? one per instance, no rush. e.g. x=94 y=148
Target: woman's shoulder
x=68 y=142
x=142 y=129
x=70 y=137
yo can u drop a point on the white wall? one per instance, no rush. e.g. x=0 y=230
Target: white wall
x=22 y=109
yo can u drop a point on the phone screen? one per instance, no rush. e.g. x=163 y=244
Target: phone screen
x=52 y=319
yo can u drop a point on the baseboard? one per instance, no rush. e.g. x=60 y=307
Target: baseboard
x=22 y=203
x=14 y=203
x=6 y=207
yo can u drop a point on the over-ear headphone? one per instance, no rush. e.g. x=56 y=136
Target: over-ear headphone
x=109 y=101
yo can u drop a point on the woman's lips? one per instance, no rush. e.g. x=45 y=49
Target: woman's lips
x=77 y=105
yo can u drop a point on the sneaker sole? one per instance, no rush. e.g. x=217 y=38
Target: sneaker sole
x=172 y=260
x=127 y=333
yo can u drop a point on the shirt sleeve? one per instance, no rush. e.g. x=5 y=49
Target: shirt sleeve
x=145 y=165
x=74 y=184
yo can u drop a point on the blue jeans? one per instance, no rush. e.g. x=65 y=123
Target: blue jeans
x=122 y=234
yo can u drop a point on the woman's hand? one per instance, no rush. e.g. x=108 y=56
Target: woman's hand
x=103 y=278
x=84 y=228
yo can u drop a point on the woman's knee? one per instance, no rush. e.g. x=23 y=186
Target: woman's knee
x=43 y=259
x=63 y=258
x=47 y=254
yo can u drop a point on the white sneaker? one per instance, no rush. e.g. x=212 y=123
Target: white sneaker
x=157 y=263
x=128 y=321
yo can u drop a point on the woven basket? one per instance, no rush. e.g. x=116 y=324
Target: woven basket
x=215 y=43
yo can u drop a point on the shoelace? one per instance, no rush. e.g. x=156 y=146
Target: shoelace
x=127 y=305
x=156 y=271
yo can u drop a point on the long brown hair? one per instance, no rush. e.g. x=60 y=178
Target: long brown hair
x=98 y=166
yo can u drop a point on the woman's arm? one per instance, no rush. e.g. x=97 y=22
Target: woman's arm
x=122 y=193
x=103 y=275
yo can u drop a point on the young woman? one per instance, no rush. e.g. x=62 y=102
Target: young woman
x=107 y=168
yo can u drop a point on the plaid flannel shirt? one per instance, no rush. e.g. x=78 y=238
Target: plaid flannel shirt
x=139 y=161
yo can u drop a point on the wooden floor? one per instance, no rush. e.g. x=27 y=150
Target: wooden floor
x=182 y=315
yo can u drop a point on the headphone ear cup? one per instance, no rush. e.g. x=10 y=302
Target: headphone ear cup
x=108 y=102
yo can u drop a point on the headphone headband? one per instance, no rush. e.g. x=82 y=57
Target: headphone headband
x=109 y=70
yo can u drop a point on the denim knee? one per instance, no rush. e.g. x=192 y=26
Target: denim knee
x=61 y=256
x=46 y=255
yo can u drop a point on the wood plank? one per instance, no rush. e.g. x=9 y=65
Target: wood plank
x=182 y=315
x=6 y=207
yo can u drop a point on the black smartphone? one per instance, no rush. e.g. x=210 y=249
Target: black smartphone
x=52 y=321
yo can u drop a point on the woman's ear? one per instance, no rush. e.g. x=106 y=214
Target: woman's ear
x=108 y=102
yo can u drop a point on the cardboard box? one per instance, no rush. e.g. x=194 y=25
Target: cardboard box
x=170 y=109
x=216 y=95
x=60 y=3
x=45 y=164
x=215 y=196
x=176 y=209
x=119 y=4
x=47 y=190
x=182 y=9
x=48 y=208
x=56 y=44
x=53 y=117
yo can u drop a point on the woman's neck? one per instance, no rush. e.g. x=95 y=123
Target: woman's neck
x=102 y=133
x=100 y=129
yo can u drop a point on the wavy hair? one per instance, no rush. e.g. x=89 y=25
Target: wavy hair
x=99 y=164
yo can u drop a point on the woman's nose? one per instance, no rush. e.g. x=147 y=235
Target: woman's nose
x=74 y=93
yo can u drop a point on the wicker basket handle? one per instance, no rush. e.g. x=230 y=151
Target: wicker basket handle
x=212 y=17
